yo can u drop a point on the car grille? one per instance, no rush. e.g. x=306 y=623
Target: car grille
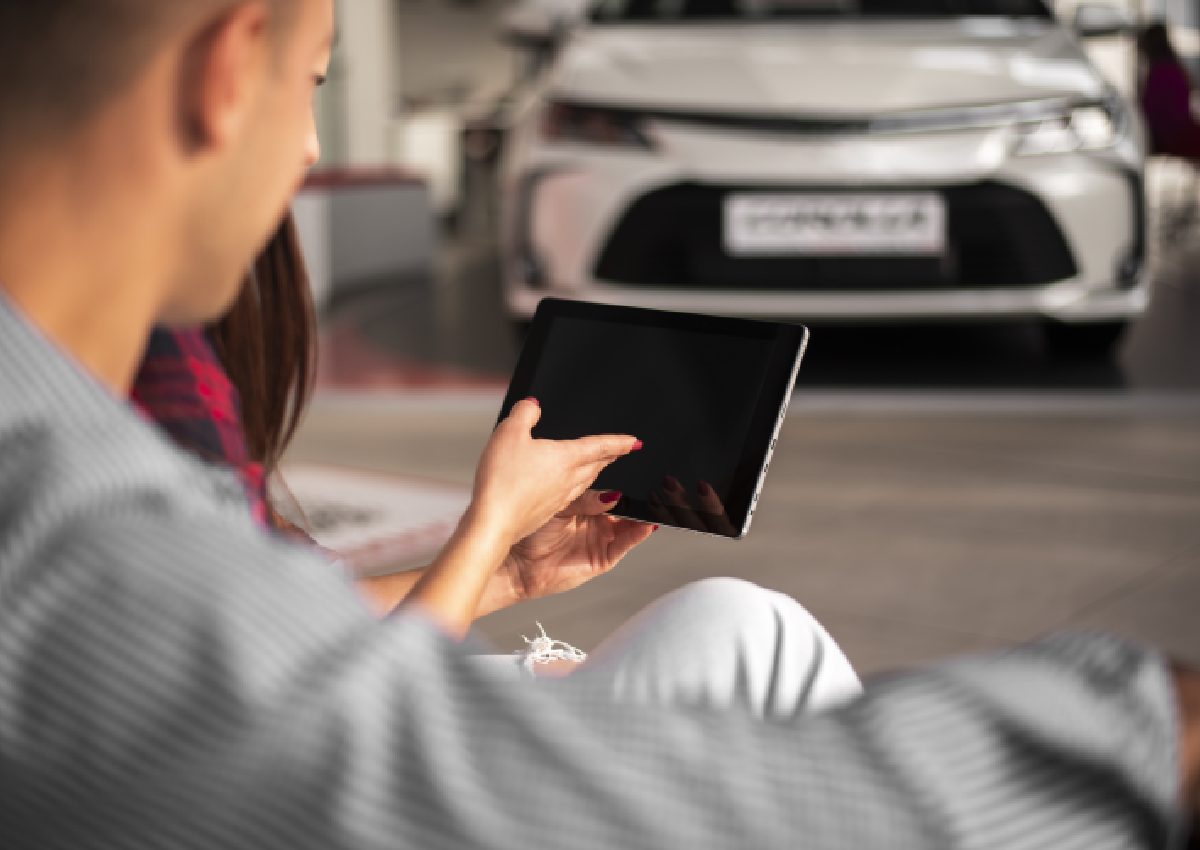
x=997 y=236
x=913 y=121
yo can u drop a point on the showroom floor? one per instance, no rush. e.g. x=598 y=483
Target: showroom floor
x=911 y=534
x=936 y=490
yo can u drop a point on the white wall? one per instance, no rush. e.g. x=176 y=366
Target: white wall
x=446 y=45
x=368 y=33
x=360 y=98
x=363 y=229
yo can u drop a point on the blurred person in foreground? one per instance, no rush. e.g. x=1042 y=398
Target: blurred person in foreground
x=1166 y=96
x=172 y=677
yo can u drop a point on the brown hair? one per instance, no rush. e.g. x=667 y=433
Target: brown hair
x=1154 y=43
x=267 y=344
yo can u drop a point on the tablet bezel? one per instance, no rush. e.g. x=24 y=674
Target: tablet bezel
x=790 y=341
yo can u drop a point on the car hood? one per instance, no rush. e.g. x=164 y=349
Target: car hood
x=828 y=68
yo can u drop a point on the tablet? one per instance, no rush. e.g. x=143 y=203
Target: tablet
x=706 y=395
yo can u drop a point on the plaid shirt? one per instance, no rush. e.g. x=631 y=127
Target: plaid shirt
x=183 y=388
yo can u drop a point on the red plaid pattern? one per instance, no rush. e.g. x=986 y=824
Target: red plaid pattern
x=183 y=388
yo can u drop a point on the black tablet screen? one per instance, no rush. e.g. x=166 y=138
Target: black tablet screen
x=689 y=395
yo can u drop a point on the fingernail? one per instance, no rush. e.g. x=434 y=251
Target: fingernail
x=656 y=528
x=611 y=497
x=705 y=489
x=534 y=400
x=638 y=446
x=672 y=482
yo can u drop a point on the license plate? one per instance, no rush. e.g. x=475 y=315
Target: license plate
x=835 y=225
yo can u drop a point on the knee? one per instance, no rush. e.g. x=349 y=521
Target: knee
x=791 y=661
x=721 y=592
x=734 y=600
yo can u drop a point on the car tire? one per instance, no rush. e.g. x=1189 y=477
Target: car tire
x=1093 y=340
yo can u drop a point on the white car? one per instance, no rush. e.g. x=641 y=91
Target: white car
x=828 y=160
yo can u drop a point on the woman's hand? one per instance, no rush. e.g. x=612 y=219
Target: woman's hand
x=523 y=483
x=579 y=544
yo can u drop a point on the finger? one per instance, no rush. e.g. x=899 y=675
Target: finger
x=593 y=503
x=582 y=499
x=713 y=510
x=525 y=414
x=627 y=534
x=604 y=448
x=584 y=480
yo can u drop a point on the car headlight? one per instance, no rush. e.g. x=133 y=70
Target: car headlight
x=1084 y=128
x=570 y=122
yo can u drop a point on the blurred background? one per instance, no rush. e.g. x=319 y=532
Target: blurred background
x=987 y=210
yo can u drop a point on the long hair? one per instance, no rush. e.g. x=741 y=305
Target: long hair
x=1154 y=44
x=268 y=346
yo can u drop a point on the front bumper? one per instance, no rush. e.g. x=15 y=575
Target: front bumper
x=1065 y=302
x=567 y=204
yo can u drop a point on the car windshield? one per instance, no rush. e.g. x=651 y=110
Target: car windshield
x=684 y=11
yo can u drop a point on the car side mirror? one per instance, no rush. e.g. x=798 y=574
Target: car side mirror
x=1101 y=20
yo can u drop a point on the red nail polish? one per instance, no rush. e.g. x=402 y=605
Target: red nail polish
x=655 y=528
x=611 y=497
x=638 y=446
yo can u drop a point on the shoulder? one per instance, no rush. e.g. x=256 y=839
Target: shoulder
x=58 y=473
x=129 y=571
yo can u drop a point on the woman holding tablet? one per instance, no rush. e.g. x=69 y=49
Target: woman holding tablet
x=554 y=536
x=534 y=526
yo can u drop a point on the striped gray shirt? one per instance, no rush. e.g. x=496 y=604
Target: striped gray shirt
x=170 y=678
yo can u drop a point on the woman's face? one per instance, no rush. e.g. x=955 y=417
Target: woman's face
x=320 y=70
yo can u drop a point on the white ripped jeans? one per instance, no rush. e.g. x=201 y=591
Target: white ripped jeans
x=723 y=643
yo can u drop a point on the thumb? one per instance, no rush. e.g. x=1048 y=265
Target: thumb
x=627 y=535
x=593 y=503
x=525 y=414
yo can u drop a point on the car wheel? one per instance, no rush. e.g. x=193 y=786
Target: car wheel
x=1092 y=340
